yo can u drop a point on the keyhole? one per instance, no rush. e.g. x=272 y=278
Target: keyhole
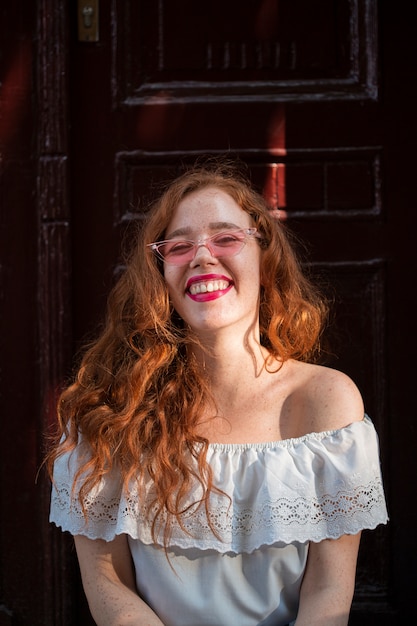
x=88 y=12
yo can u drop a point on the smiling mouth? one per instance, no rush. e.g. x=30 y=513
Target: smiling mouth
x=208 y=286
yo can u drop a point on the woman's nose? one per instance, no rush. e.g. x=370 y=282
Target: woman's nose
x=202 y=254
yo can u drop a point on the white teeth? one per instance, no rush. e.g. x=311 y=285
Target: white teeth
x=208 y=287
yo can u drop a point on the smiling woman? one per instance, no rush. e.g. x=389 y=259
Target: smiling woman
x=210 y=472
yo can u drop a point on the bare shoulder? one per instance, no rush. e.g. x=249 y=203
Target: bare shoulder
x=324 y=398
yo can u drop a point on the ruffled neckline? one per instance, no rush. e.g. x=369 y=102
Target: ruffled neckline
x=290 y=442
x=318 y=486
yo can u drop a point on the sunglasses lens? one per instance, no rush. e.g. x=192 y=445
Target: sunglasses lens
x=177 y=252
x=227 y=244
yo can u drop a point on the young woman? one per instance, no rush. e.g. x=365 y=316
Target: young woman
x=208 y=470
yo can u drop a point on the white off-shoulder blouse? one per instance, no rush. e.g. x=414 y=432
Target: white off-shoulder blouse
x=282 y=495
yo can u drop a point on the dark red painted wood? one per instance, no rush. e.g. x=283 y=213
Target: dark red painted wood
x=20 y=540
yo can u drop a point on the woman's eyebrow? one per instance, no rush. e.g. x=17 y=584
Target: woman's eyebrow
x=213 y=226
x=180 y=232
x=223 y=226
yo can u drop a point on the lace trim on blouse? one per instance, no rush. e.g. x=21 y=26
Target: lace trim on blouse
x=315 y=487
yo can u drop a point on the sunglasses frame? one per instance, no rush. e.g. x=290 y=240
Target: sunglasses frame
x=247 y=232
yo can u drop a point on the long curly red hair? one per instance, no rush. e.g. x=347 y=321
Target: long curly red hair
x=138 y=394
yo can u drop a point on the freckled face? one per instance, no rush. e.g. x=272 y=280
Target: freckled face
x=210 y=292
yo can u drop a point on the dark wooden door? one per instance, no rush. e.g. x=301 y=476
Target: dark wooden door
x=294 y=88
x=317 y=98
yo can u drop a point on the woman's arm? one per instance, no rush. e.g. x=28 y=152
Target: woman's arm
x=329 y=582
x=109 y=583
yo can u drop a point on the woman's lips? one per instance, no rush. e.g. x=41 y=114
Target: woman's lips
x=207 y=287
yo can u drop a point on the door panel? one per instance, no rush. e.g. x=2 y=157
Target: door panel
x=257 y=50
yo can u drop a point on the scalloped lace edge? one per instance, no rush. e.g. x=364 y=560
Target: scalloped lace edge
x=239 y=529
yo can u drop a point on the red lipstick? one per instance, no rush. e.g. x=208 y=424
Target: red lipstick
x=206 y=287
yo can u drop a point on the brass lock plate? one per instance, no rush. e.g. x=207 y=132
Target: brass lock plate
x=88 y=20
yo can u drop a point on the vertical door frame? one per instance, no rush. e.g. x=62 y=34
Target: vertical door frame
x=54 y=280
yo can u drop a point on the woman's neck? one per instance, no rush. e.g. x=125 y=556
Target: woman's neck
x=227 y=357
x=240 y=382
